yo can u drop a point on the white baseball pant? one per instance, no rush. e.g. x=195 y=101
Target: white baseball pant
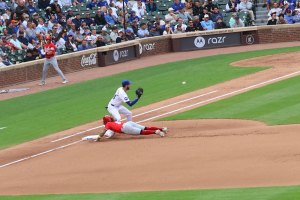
x=54 y=63
x=132 y=128
x=115 y=112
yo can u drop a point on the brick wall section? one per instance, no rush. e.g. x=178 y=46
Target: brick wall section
x=156 y=45
x=283 y=33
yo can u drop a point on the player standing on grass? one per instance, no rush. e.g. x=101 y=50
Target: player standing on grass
x=115 y=107
x=50 y=50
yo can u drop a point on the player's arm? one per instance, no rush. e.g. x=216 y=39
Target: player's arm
x=131 y=103
x=100 y=135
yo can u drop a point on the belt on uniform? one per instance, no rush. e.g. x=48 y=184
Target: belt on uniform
x=112 y=104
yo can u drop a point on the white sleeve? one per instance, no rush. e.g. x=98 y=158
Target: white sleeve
x=123 y=96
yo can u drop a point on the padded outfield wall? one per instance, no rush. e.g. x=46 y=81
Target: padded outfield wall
x=117 y=53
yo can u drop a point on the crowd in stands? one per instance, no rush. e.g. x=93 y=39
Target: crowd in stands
x=77 y=25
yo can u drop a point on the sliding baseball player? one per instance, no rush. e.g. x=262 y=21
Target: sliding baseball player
x=132 y=128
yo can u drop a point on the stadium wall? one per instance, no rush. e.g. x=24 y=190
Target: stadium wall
x=118 y=53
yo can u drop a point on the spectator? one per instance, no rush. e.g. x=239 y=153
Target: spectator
x=140 y=9
x=3 y=6
x=60 y=42
x=5 y=60
x=16 y=43
x=129 y=35
x=135 y=27
x=143 y=31
x=153 y=31
x=70 y=44
x=43 y=4
x=99 y=18
x=30 y=31
x=296 y=17
x=177 y=5
x=25 y=21
x=31 y=8
x=65 y=3
x=209 y=5
x=275 y=9
x=291 y=4
x=235 y=21
x=55 y=7
x=48 y=13
x=133 y=17
x=13 y=27
x=273 y=20
x=151 y=6
x=231 y=6
x=197 y=8
x=42 y=28
x=20 y=9
x=88 y=20
x=35 y=19
x=77 y=20
x=110 y=18
x=185 y=16
x=197 y=24
x=6 y=15
x=114 y=34
x=205 y=12
x=220 y=24
x=246 y=6
x=178 y=29
x=23 y=39
x=190 y=27
x=119 y=4
x=84 y=45
x=105 y=36
x=92 y=4
x=288 y=16
x=180 y=22
x=69 y=13
x=207 y=24
x=100 y=42
x=168 y=30
x=2 y=26
x=171 y=16
x=189 y=7
x=281 y=19
x=216 y=14
x=102 y=3
x=121 y=37
x=78 y=37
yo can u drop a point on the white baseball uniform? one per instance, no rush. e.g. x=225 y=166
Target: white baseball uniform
x=115 y=107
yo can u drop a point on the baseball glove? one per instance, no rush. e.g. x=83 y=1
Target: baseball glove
x=139 y=92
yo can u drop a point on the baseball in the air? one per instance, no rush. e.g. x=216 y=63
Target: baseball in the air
x=183 y=82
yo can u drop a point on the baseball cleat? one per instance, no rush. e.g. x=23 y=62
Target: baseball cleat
x=42 y=83
x=65 y=81
x=165 y=129
x=160 y=133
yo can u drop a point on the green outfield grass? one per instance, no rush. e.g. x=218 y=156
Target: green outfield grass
x=33 y=116
x=270 y=193
x=275 y=104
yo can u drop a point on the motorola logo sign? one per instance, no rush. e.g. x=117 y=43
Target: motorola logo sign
x=199 y=42
x=250 y=39
x=116 y=55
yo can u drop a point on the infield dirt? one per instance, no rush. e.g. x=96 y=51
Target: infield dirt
x=195 y=154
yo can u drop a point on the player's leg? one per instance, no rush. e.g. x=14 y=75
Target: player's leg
x=114 y=112
x=123 y=110
x=56 y=67
x=44 y=72
x=136 y=129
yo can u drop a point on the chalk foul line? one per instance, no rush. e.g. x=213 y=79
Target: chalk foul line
x=147 y=112
x=167 y=113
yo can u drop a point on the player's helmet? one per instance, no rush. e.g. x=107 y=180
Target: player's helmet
x=106 y=119
x=48 y=37
x=126 y=82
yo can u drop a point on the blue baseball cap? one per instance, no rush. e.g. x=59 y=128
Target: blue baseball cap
x=126 y=82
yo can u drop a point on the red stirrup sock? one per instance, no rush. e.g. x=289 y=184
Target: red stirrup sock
x=147 y=132
x=153 y=128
